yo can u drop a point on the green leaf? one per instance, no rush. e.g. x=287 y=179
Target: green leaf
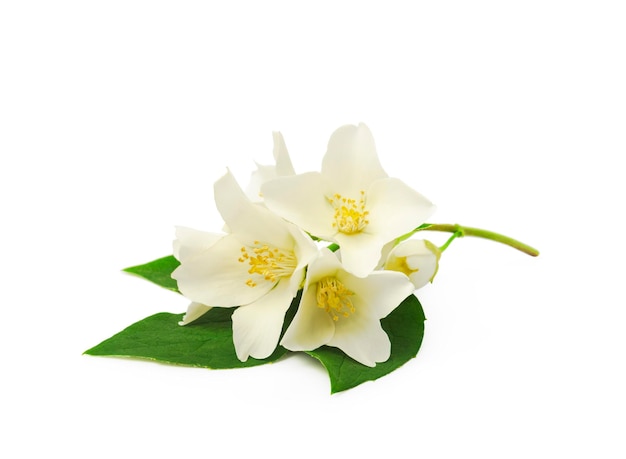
x=158 y=271
x=206 y=342
x=405 y=327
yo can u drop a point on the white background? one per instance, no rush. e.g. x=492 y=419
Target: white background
x=117 y=117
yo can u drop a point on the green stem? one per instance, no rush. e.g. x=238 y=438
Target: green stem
x=452 y=238
x=461 y=231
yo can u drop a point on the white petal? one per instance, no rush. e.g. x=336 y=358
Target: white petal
x=384 y=253
x=216 y=277
x=248 y=221
x=381 y=291
x=190 y=241
x=395 y=208
x=282 y=167
x=281 y=155
x=311 y=327
x=301 y=199
x=257 y=326
x=351 y=163
x=360 y=252
x=194 y=311
x=257 y=178
x=367 y=344
x=426 y=271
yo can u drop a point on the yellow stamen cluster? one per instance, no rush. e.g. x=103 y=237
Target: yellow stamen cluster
x=334 y=298
x=350 y=214
x=270 y=263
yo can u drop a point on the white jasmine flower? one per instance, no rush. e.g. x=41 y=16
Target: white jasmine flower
x=258 y=266
x=417 y=258
x=341 y=310
x=282 y=167
x=351 y=202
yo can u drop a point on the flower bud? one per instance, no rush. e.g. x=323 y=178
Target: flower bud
x=417 y=258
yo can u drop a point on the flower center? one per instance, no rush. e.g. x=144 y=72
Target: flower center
x=334 y=298
x=350 y=214
x=270 y=263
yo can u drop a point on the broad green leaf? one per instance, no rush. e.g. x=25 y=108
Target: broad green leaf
x=206 y=342
x=405 y=327
x=158 y=271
